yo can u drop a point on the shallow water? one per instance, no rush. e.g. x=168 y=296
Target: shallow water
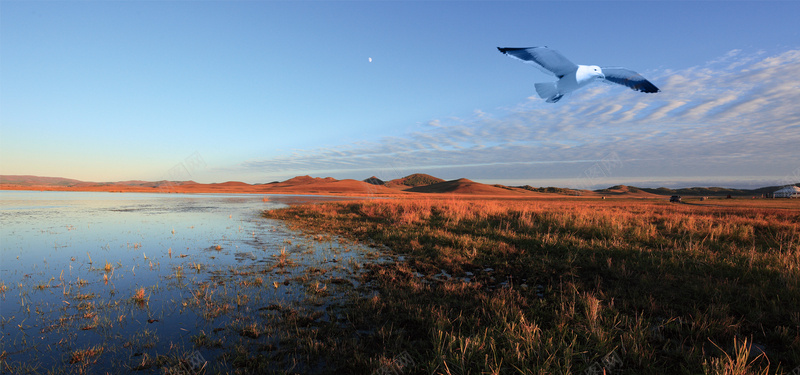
x=209 y=267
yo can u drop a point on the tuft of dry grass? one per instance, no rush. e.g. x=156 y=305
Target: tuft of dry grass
x=85 y=356
x=140 y=296
x=737 y=363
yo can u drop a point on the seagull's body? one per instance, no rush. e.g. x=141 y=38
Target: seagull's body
x=572 y=76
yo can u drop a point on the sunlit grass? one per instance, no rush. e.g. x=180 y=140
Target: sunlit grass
x=556 y=286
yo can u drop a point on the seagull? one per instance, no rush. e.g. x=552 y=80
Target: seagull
x=571 y=76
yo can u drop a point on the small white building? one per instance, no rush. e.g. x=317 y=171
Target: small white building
x=787 y=192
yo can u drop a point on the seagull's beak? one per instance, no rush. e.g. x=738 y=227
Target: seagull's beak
x=601 y=76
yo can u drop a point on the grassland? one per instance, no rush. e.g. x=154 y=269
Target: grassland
x=567 y=286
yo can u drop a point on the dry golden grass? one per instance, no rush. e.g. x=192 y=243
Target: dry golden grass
x=556 y=286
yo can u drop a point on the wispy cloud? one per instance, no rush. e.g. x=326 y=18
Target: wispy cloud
x=734 y=117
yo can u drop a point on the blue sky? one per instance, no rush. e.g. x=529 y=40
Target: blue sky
x=259 y=91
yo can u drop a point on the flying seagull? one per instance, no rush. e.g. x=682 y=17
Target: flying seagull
x=571 y=76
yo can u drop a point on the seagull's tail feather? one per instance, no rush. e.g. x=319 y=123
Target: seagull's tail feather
x=548 y=90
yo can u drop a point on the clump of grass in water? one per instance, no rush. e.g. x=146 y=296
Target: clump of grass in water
x=202 y=294
x=242 y=299
x=83 y=296
x=86 y=355
x=252 y=330
x=108 y=267
x=201 y=340
x=94 y=322
x=283 y=259
x=318 y=289
x=43 y=286
x=140 y=296
x=257 y=281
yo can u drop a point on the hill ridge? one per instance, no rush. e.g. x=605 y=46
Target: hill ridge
x=414 y=180
x=413 y=183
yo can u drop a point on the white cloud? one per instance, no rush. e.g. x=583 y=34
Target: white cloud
x=664 y=110
x=733 y=118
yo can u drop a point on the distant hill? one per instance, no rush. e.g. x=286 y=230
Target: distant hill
x=630 y=191
x=416 y=179
x=414 y=183
x=26 y=180
x=713 y=191
x=464 y=186
x=308 y=184
x=306 y=180
x=375 y=181
x=551 y=190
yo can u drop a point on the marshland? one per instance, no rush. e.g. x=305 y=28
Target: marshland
x=148 y=283
x=110 y=283
x=589 y=286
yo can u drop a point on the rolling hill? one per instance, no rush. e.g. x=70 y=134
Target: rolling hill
x=465 y=186
x=714 y=191
x=414 y=180
x=417 y=183
x=26 y=180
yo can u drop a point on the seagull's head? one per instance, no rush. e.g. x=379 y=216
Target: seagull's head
x=596 y=72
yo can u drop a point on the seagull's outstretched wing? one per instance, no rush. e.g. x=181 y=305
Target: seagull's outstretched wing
x=546 y=59
x=627 y=77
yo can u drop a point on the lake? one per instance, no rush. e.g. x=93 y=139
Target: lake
x=110 y=282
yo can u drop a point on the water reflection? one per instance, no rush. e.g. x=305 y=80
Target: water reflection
x=109 y=282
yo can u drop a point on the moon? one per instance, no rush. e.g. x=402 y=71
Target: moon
x=370 y=59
